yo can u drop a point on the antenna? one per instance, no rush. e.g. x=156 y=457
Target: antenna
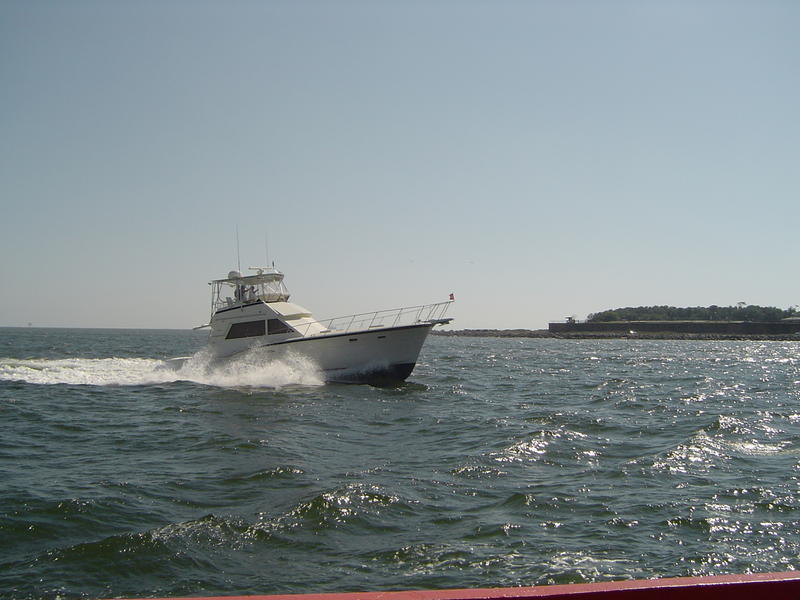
x=266 y=248
x=238 y=258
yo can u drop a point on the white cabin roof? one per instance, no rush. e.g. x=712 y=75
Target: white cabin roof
x=289 y=310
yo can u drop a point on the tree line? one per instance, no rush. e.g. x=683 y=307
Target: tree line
x=740 y=312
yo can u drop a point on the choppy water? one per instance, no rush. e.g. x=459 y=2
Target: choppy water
x=502 y=462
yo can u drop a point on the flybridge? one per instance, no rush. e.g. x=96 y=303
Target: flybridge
x=238 y=290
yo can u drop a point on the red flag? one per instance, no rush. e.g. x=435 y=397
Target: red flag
x=452 y=296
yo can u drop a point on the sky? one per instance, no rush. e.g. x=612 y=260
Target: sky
x=538 y=159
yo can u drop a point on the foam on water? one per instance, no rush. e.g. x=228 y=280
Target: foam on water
x=85 y=371
x=244 y=371
x=249 y=369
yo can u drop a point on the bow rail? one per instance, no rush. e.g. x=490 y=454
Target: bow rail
x=395 y=317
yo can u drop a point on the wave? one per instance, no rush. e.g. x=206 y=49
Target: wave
x=247 y=370
x=355 y=507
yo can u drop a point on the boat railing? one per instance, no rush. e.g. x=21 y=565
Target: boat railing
x=395 y=317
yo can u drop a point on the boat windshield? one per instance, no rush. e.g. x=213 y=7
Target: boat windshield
x=237 y=290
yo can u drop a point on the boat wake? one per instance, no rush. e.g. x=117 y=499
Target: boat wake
x=247 y=371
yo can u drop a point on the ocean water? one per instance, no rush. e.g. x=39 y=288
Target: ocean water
x=501 y=462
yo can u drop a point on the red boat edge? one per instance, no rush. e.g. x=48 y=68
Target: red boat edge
x=771 y=586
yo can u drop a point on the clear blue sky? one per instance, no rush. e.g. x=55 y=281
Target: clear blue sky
x=538 y=159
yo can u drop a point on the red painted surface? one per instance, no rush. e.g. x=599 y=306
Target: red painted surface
x=763 y=586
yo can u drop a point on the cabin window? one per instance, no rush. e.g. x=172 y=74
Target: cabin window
x=275 y=326
x=247 y=329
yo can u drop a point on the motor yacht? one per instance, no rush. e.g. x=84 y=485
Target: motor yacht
x=252 y=314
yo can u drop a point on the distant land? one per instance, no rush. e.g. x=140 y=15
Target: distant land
x=740 y=312
x=526 y=333
x=611 y=335
x=741 y=322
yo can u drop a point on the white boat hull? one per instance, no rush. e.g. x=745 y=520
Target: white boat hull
x=372 y=356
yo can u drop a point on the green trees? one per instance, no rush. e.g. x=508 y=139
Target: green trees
x=696 y=313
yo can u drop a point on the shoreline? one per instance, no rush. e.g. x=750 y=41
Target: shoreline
x=616 y=335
